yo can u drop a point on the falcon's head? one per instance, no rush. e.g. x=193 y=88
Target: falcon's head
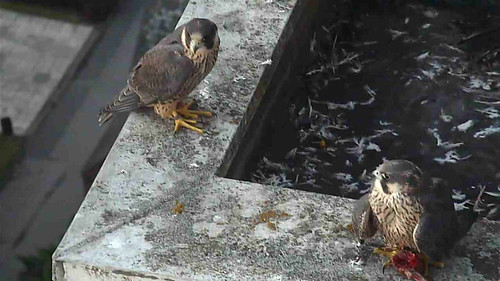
x=199 y=36
x=398 y=176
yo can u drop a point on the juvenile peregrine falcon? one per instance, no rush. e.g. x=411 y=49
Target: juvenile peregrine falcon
x=169 y=72
x=411 y=211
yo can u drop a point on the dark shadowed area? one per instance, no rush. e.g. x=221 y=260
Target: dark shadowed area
x=387 y=80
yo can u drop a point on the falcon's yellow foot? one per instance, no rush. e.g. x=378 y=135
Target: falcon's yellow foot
x=184 y=110
x=386 y=252
x=427 y=261
x=404 y=261
x=181 y=122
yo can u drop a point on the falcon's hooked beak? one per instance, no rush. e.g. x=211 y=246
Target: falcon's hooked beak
x=193 y=42
x=398 y=176
x=195 y=45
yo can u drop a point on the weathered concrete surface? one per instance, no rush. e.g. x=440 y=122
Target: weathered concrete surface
x=127 y=229
x=36 y=54
x=220 y=235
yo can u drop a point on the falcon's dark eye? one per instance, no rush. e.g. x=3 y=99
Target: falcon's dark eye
x=205 y=39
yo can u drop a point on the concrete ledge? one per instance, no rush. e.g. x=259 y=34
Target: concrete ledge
x=130 y=226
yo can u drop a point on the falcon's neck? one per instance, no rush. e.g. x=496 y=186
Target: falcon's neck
x=389 y=206
x=204 y=62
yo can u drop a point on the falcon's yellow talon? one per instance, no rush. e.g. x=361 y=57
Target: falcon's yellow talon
x=190 y=121
x=426 y=268
x=427 y=261
x=206 y=113
x=386 y=252
x=386 y=265
x=437 y=264
x=186 y=112
x=183 y=123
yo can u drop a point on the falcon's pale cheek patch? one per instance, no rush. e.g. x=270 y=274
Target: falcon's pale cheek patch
x=185 y=39
x=381 y=187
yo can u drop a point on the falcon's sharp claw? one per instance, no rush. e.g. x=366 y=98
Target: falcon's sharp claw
x=186 y=112
x=185 y=123
x=190 y=121
x=386 y=252
x=181 y=122
x=405 y=262
x=386 y=265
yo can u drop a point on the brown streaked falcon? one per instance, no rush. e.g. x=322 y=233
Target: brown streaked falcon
x=168 y=72
x=411 y=211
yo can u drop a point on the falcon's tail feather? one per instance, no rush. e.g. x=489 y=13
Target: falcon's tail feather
x=104 y=117
x=127 y=100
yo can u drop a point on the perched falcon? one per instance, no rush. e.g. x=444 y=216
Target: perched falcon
x=411 y=211
x=168 y=72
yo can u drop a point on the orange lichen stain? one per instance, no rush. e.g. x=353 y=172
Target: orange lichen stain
x=178 y=208
x=266 y=217
x=322 y=144
x=350 y=228
x=271 y=225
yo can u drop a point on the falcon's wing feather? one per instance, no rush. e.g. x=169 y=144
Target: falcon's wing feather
x=434 y=234
x=161 y=73
x=364 y=221
x=126 y=100
x=172 y=38
x=436 y=231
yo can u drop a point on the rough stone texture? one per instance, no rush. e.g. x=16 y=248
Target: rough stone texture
x=127 y=229
x=35 y=56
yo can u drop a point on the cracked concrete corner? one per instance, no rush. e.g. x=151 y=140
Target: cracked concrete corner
x=58 y=273
x=79 y=272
